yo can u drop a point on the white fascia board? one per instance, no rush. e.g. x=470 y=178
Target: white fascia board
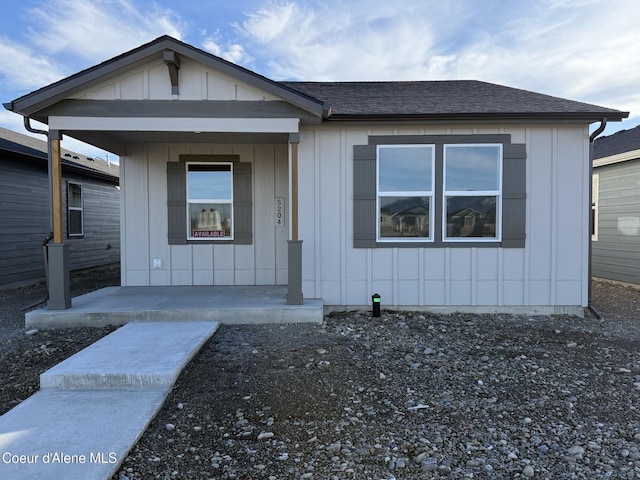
x=620 y=157
x=167 y=124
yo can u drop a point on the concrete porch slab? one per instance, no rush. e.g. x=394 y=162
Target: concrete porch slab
x=224 y=304
x=138 y=355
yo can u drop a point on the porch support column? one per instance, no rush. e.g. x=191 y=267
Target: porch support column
x=294 y=289
x=58 y=252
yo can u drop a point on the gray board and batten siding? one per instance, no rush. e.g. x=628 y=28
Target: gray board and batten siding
x=616 y=245
x=24 y=209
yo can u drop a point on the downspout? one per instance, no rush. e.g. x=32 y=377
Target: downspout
x=49 y=237
x=592 y=137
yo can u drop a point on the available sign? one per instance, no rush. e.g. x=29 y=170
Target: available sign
x=209 y=233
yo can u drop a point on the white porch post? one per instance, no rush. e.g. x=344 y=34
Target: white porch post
x=294 y=289
x=58 y=251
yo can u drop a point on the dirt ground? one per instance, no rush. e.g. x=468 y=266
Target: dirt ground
x=23 y=357
x=404 y=396
x=407 y=396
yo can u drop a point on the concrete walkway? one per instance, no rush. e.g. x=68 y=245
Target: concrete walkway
x=93 y=407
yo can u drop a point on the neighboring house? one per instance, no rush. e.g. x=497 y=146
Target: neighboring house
x=453 y=194
x=616 y=206
x=92 y=209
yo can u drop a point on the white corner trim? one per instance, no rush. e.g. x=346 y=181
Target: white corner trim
x=168 y=124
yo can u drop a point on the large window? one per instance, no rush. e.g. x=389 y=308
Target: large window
x=405 y=192
x=434 y=191
x=472 y=192
x=210 y=201
x=75 y=214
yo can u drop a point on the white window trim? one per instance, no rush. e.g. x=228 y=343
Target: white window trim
x=430 y=195
x=473 y=193
x=209 y=200
x=75 y=209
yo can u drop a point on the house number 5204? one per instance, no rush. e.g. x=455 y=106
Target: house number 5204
x=279 y=212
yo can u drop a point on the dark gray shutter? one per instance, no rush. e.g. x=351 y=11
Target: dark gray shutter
x=364 y=196
x=242 y=204
x=177 y=203
x=514 y=195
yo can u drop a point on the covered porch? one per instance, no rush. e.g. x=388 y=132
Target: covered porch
x=225 y=304
x=168 y=110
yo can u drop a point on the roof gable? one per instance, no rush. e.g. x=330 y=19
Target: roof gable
x=155 y=54
x=197 y=82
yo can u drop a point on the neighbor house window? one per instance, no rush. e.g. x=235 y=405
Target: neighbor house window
x=472 y=192
x=210 y=201
x=405 y=185
x=75 y=214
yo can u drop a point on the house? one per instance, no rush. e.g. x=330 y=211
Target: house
x=616 y=207
x=231 y=178
x=91 y=202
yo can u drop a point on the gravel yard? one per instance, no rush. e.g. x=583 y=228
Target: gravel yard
x=404 y=396
x=24 y=355
x=407 y=396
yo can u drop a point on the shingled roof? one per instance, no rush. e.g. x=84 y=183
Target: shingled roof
x=15 y=142
x=619 y=142
x=453 y=99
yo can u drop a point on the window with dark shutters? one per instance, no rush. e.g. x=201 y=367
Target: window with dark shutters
x=181 y=227
x=480 y=201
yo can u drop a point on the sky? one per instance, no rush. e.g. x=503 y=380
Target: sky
x=584 y=50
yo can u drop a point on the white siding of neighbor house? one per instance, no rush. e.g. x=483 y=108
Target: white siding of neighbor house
x=144 y=221
x=616 y=252
x=551 y=270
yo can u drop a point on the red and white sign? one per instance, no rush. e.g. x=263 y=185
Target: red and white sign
x=208 y=233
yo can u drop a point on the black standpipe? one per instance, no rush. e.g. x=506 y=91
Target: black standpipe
x=375 y=301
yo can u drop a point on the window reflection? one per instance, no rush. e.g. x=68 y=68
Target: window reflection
x=471 y=216
x=404 y=217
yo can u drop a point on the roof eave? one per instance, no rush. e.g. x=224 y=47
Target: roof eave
x=590 y=117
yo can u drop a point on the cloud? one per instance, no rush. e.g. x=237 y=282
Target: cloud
x=560 y=47
x=336 y=41
x=95 y=30
x=232 y=52
x=23 y=68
